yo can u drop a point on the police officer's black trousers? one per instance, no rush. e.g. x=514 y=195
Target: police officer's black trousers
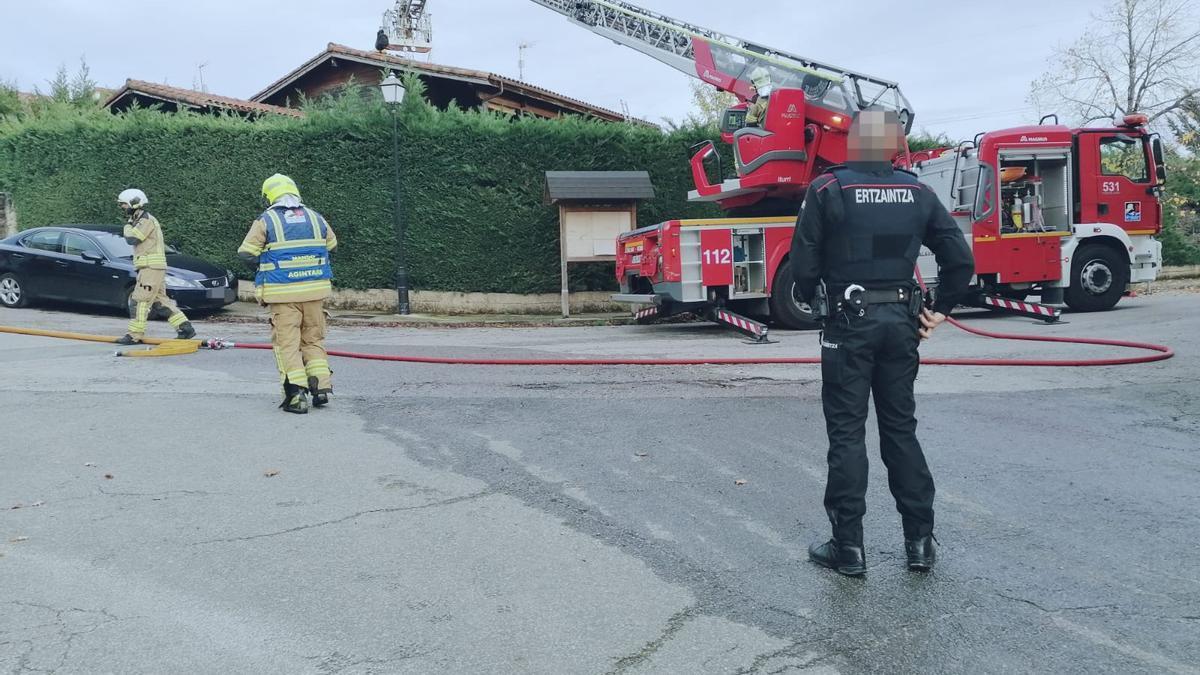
x=860 y=356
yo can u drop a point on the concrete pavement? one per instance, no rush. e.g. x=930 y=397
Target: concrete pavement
x=586 y=520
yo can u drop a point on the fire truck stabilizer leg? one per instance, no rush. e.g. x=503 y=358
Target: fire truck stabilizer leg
x=648 y=315
x=1043 y=312
x=757 y=332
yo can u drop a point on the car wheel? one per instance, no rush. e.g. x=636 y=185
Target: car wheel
x=786 y=309
x=1099 y=277
x=12 y=293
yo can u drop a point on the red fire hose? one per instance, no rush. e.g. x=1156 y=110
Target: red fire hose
x=1160 y=353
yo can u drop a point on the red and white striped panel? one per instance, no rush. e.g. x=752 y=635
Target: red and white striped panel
x=646 y=313
x=1023 y=307
x=752 y=327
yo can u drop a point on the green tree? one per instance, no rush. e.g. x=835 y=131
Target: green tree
x=60 y=86
x=10 y=99
x=76 y=90
x=1181 y=202
x=924 y=140
x=82 y=87
x=708 y=107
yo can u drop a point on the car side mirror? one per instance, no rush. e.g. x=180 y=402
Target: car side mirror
x=92 y=256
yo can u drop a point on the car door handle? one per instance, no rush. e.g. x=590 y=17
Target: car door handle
x=19 y=256
x=62 y=263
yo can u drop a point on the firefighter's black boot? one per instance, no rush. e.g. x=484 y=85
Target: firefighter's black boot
x=185 y=331
x=320 y=397
x=128 y=340
x=295 y=399
x=922 y=553
x=839 y=556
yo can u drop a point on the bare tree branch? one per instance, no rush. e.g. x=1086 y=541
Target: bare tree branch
x=1136 y=56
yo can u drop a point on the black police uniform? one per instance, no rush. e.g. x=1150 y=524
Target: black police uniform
x=864 y=224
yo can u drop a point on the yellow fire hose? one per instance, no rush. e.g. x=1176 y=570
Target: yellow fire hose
x=159 y=347
x=166 y=348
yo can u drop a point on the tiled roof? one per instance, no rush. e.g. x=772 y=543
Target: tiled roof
x=334 y=50
x=198 y=99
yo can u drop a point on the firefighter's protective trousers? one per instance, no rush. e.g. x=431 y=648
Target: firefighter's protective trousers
x=151 y=289
x=150 y=259
x=873 y=356
x=298 y=338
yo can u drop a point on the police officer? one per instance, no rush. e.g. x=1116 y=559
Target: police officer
x=145 y=234
x=291 y=244
x=757 y=113
x=860 y=232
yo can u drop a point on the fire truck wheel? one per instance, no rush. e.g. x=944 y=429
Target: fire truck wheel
x=786 y=310
x=1099 y=276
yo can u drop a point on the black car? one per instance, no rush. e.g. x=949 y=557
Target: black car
x=93 y=264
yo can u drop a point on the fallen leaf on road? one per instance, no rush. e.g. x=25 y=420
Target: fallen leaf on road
x=91 y=464
x=272 y=473
x=642 y=454
x=15 y=540
x=739 y=482
x=23 y=506
x=108 y=476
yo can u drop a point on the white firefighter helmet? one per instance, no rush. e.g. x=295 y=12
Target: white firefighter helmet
x=761 y=79
x=133 y=198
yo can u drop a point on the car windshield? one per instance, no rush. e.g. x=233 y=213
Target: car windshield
x=116 y=246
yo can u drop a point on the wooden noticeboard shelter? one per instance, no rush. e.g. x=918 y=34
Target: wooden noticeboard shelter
x=594 y=207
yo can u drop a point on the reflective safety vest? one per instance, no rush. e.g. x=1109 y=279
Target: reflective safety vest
x=295 y=260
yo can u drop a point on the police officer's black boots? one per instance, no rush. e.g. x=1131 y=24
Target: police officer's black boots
x=320 y=396
x=839 y=556
x=295 y=399
x=922 y=553
x=185 y=331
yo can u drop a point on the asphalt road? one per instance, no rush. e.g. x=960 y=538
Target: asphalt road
x=587 y=520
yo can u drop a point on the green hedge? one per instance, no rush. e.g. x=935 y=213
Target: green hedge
x=472 y=189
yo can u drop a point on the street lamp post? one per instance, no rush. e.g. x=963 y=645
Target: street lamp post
x=393 y=94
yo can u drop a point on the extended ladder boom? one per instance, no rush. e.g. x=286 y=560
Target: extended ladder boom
x=722 y=60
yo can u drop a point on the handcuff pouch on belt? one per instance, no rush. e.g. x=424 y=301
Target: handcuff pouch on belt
x=855 y=300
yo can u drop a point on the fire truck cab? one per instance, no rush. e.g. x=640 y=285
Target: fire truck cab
x=1067 y=214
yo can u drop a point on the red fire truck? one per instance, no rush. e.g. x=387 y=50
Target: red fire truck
x=1067 y=214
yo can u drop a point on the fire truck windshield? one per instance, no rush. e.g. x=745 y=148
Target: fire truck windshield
x=876 y=96
x=828 y=90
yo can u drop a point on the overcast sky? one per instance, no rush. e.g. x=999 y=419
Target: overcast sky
x=965 y=66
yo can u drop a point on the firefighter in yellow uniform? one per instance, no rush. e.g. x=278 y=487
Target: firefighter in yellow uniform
x=291 y=244
x=143 y=232
x=756 y=115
